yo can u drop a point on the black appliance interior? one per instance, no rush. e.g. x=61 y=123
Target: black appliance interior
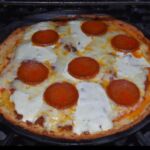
x=17 y=13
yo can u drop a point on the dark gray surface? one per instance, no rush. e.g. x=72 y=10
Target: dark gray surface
x=73 y=2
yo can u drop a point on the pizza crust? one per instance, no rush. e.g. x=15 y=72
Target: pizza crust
x=6 y=49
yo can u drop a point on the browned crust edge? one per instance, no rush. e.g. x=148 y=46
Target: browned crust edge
x=13 y=39
x=8 y=45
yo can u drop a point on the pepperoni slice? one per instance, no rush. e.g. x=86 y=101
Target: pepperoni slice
x=61 y=23
x=61 y=95
x=94 y=28
x=32 y=72
x=123 y=92
x=45 y=37
x=125 y=43
x=83 y=67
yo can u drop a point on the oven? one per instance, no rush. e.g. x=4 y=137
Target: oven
x=15 y=13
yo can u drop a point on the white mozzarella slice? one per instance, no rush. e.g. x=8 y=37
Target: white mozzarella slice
x=133 y=61
x=26 y=106
x=67 y=75
x=28 y=51
x=133 y=69
x=101 y=45
x=36 y=27
x=80 y=40
x=93 y=109
x=33 y=91
x=62 y=66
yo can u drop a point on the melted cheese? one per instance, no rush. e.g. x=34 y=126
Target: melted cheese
x=62 y=66
x=26 y=106
x=133 y=69
x=93 y=109
x=80 y=40
x=34 y=90
x=36 y=27
x=101 y=45
x=28 y=51
x=55 y=118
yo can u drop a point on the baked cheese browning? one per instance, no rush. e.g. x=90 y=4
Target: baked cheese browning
x=70 y=48
x=40 y=121
x=24 y=104
x=55 y=118
x=45 y=37
x=137 y=54
x=4 y=100
x=65 y=128
x=76 y=37
x=98 y=52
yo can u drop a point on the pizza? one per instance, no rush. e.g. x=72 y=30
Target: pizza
x=75 y=79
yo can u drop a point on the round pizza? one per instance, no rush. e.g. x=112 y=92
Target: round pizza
x=75 y=79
